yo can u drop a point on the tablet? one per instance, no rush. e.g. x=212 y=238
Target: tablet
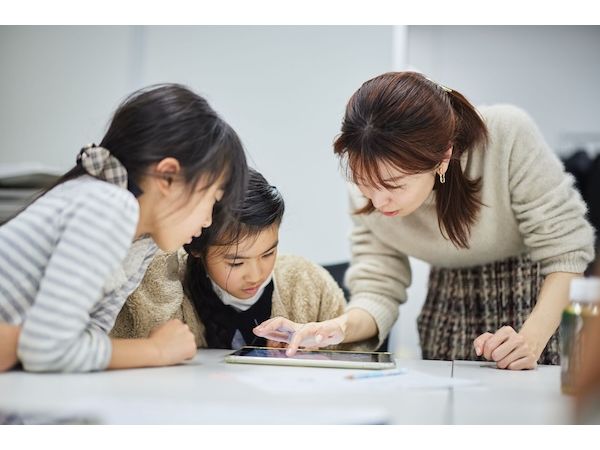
x=313 y=358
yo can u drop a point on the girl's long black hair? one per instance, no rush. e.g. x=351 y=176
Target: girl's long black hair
x=169 y=120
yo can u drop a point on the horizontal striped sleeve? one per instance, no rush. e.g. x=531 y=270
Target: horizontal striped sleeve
x=106 y=314
x=58 y=334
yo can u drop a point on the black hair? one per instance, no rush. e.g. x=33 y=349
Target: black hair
x=169 y=120
x=262 y=207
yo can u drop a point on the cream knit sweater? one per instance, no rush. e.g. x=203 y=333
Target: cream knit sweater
x=530 y=207
x=302 y=292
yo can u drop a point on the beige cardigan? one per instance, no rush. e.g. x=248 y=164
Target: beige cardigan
x=530 y=207
x=302 y=292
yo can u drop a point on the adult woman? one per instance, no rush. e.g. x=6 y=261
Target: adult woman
x=480 y=196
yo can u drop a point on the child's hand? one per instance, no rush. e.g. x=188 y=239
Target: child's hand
x=509 y=349
x=9 y=337
x=174 y=341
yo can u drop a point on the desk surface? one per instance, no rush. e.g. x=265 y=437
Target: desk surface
x=208 y=391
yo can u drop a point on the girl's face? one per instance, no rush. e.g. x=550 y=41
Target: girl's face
x=407 y=195
x=168 y=211
x=241 y=269
x=176 y=227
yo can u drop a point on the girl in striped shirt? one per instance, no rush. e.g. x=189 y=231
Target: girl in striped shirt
x=69 y=260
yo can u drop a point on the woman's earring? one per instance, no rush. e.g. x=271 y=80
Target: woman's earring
x=442 y=177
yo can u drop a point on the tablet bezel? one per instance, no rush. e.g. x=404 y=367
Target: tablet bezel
x=236 y=357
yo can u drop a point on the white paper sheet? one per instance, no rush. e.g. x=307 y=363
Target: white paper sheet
x=299 y=380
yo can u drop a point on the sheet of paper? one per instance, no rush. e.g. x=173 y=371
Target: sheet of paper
x=300 y=380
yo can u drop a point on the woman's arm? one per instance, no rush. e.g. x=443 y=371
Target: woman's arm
x=358 y=325
x=545 y=317
x=551 y=218
x=512 y=350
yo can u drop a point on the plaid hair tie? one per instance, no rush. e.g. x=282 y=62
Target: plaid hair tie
x=99 y=163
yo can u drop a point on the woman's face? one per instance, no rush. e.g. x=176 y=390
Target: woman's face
x=407 y=195
x=241 y=269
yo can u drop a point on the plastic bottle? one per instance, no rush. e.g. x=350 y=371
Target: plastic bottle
x=584 y=307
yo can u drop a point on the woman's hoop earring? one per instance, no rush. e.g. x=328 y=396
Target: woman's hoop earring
x=442 y=178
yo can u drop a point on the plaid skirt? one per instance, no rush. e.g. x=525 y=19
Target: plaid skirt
x=462 y=304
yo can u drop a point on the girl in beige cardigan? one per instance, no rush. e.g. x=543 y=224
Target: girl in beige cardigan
x=230 y=280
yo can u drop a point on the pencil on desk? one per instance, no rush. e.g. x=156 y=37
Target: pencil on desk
x=377 y=374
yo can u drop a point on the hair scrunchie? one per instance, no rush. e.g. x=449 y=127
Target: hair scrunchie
x=99 y=163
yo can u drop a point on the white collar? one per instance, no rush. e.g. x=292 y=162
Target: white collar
x=240 y=304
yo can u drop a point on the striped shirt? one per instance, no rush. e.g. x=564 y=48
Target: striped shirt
x=67 y=265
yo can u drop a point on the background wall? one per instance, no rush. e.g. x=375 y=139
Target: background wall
x=550 y=71
x=284 y=90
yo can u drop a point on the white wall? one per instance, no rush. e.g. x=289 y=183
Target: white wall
x=283 y=89
x=553 y=72
x=58 y=87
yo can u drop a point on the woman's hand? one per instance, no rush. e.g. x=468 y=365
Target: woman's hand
x=9 y=338
x=309 y=335
x=174 y=341
x=509 y=349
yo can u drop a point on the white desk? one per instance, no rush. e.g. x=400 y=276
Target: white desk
x=509 y=397
x=207 y=391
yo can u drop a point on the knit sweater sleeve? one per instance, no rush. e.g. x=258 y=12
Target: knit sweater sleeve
x=332 y=305
x=378 y=276
x=549 y=210
x=157 y=299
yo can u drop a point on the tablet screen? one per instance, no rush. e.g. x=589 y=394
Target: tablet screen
x=314 y=355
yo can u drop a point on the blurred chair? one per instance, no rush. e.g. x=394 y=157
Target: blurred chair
x=586 y=172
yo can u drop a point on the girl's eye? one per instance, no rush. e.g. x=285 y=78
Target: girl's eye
x=234 y=264
x=400 y=186
x=269 y=254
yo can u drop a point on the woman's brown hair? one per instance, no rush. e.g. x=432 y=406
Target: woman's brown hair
x=408 y=121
